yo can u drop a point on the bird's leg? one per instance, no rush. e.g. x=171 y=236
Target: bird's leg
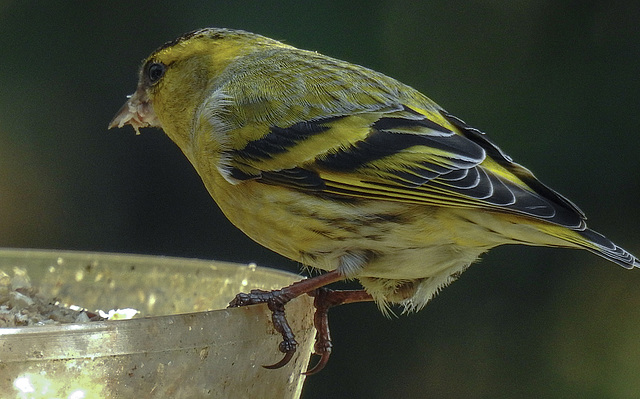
x=277 y=299
x=324 y=300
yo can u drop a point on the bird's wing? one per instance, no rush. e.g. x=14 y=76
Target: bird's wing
x=382 y=144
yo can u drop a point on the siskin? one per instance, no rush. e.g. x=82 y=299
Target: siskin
x=345 y=170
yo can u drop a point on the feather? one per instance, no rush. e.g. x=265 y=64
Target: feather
x=404 y=156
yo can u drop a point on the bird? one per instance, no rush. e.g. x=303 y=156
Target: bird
x=344 y=170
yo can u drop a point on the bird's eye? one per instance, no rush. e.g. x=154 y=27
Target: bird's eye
x=155 y=71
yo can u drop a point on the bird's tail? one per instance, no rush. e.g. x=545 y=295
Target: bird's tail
x=602 y=246
x=590 y=240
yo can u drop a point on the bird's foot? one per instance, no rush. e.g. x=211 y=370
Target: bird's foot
x=324 y=299
x=275 y=300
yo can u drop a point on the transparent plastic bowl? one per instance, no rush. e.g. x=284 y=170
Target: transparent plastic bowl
x=177 y=348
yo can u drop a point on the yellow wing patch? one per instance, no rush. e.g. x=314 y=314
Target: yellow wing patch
x=403 y=156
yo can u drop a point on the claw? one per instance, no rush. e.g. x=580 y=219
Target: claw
x=286 y=359
x=324 y=359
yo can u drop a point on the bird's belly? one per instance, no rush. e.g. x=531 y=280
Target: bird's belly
x=401 y=241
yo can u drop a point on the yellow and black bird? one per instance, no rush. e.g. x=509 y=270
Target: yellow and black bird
x=345 y=170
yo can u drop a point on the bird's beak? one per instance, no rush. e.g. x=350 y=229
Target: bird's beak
x=137 y=112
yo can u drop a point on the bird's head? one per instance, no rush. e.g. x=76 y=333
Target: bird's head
x=176 y=78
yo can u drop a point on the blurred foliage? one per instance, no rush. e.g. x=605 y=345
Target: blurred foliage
x=553 y=82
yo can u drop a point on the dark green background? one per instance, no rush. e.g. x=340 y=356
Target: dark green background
x=555 y=83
